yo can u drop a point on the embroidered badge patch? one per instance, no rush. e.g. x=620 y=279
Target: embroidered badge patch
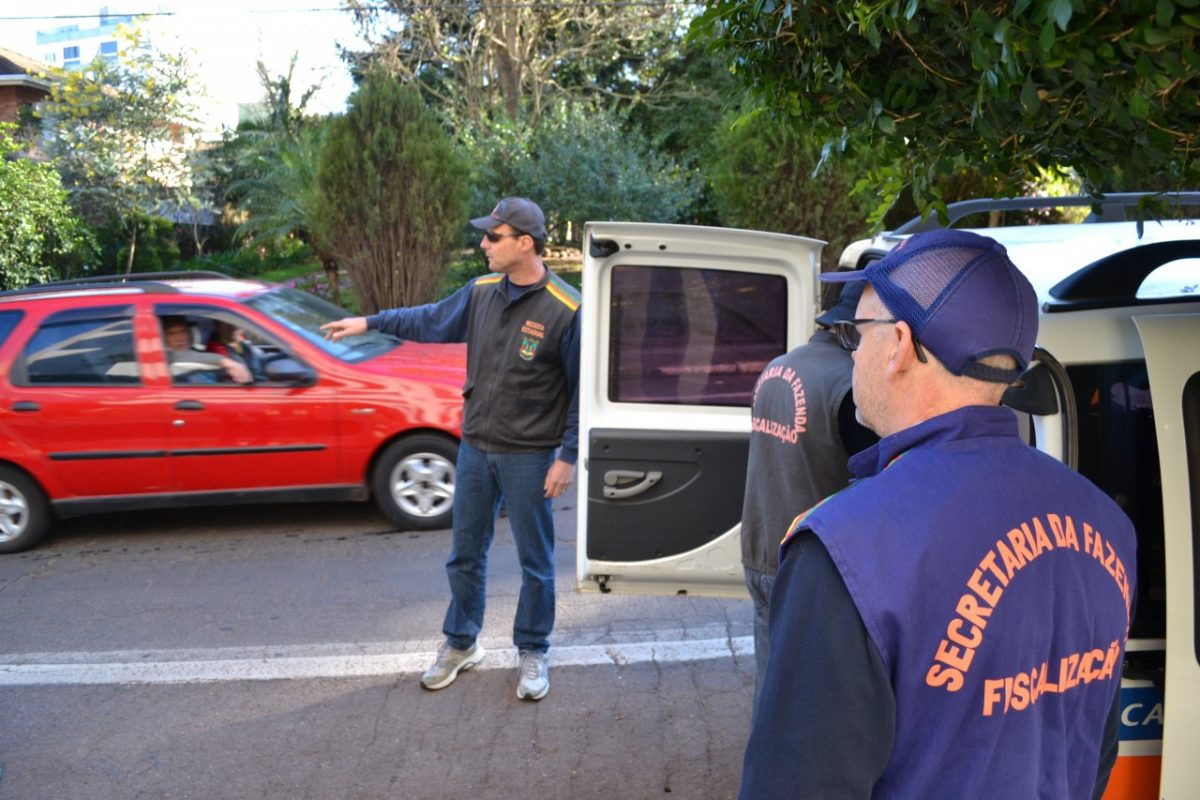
x=529 y=347
x=532 y=333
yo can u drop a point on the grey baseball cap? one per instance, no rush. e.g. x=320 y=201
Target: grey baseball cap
x=521 y=213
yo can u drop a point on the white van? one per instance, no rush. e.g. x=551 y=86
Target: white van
x=681 y=319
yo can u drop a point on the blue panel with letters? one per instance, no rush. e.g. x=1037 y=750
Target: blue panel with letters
x=1141 y=713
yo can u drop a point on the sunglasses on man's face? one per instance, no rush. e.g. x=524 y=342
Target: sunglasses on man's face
x=850 y=337
x=494 y=237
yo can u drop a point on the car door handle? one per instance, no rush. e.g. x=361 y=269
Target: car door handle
x=618 y=486
x=189 y=405
x=26 y=406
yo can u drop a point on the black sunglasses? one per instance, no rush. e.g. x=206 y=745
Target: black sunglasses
x=850 y=337
x=494 y=237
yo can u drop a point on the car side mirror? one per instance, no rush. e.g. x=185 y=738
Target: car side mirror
x=289 y=370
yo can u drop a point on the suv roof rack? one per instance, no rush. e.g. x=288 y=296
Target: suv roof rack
x=1112 y=207
x=149 y=282
x=1114 y=279
x=138 y=277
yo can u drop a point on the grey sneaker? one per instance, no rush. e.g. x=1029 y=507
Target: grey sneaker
x=535 y=676
x=449 y=662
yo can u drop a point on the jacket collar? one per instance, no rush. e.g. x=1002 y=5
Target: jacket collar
x=962 y=423
x=504 y=283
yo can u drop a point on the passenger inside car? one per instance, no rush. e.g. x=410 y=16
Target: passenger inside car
x=230 y=341
x=189 y=365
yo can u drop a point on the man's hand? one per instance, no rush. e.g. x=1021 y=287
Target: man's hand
x=236 y=370
x=350 y=326
x=559 y=477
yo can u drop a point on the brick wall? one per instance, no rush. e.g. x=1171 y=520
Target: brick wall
x=13 y=97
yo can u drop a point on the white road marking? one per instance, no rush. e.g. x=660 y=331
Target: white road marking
x=290 y=663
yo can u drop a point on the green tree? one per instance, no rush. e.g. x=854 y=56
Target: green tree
x=1007 y=88
x=157 y=248
x=264 y=175
x=122 y=132
x=762 y=178
x=393 y=189
x=40 y=234
x=480 y=60
x=580 y=164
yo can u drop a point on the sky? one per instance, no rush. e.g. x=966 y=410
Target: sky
x=227 y=37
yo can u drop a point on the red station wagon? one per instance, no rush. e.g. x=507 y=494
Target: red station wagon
x=97 y=414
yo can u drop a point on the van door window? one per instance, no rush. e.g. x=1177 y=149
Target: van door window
x=1191 y=433
x=1118 y=451
x=692 y=336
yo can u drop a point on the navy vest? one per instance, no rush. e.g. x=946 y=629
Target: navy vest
x=516 y=397
x=996 y=584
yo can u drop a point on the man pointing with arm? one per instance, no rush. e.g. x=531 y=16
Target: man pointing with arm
x=521 y=326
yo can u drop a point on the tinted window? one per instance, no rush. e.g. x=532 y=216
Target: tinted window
x=83 y=346
x=1191 y=432
x=1118 y=451
x=8 y=321
x=694 y=336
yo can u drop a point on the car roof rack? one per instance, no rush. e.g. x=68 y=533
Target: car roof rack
x=1114 y=280
x=139 y=277
x=1112 y=207
x=148 y=282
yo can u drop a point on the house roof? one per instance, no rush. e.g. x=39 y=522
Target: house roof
x=22 y=69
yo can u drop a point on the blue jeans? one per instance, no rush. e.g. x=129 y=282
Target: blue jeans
x=759 y=584
x=481 y=481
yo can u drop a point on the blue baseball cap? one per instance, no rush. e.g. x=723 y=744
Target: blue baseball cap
x=963 y=298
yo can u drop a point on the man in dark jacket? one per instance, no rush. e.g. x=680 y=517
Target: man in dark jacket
x=521 y=326
x=803 y=432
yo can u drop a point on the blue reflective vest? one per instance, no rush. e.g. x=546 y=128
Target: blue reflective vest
x=996 y=584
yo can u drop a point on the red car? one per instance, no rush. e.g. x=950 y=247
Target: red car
x=97 y=413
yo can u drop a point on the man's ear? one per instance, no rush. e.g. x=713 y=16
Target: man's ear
x=904 y=354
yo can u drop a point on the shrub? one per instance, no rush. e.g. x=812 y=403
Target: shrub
x=580 y=164
x=392 y=194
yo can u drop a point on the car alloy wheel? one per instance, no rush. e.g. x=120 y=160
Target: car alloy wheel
x=414 y=482
x=24 y=514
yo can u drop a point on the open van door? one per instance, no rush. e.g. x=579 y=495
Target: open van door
x=678 y=322
x=1173 y=362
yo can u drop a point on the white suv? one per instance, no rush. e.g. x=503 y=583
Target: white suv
x=681 y=320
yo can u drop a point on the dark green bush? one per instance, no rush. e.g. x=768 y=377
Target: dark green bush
x=156 y=250
x=580 y=164
x=256 y=261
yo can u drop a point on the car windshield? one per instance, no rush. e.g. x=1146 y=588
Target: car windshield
x=305 y=314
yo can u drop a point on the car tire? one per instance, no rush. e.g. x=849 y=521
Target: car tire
x=413 y=481
x=24 y=512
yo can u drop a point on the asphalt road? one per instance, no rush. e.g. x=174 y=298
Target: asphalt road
x=275 y=652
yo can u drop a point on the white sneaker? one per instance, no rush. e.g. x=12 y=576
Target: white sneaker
x=535 y=676
x=449 y=662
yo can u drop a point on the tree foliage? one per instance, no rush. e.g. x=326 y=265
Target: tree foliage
x=38 y=229
x=282 y=198
x=122 y=132
x=1008 y=87
x=392 y=194
x=762 y=179
x=477 y=60
x=580 y=164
